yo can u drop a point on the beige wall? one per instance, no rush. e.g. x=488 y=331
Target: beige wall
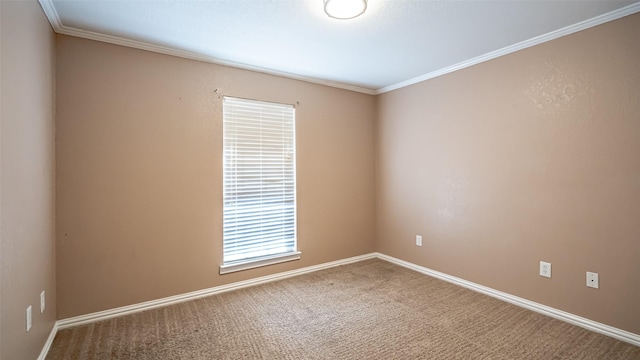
x=528 y=157
x=532 y=156
x=139 y=170
x=27 y=234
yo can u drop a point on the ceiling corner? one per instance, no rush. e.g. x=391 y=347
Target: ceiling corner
x=52 y=14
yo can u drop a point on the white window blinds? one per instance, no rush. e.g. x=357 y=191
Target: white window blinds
x=259 y=180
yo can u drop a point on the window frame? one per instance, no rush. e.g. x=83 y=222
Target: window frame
x=258 y=261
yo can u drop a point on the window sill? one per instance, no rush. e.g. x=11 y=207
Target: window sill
x=259 y=262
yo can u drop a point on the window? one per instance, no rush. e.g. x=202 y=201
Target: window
x=259 y=184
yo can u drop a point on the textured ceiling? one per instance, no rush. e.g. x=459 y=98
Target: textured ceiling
x=394 y=43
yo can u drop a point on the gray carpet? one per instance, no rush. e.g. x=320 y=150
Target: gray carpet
x=367 y=310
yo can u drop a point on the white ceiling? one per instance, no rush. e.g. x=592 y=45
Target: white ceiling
x=395 y=43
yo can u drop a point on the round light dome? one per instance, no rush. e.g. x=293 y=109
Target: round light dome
x=345 y=9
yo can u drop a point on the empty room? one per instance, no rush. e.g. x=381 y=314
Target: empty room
x=319 y=179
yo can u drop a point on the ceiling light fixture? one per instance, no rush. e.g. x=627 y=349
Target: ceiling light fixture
x=345 y=9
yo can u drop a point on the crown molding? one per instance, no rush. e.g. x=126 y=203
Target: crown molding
x=51 y=13
x=58 y=27
x=598 y=20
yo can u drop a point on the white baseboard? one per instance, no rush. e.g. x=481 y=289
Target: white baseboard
x=147 y=305
x=47 y=344
x=543 y=309
x=611 y=331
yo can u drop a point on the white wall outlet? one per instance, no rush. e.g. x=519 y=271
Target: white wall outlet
x=592 y=280
x=42 y=303
x=29 y=318
x=545 y=269
x=419 y=240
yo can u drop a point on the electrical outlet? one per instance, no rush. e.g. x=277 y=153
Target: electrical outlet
x=419 y=240
x=545 y=269
x=592 y=280
x=42 y=303
x=29 y=318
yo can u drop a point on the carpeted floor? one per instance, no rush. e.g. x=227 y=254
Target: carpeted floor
x=366 y=310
